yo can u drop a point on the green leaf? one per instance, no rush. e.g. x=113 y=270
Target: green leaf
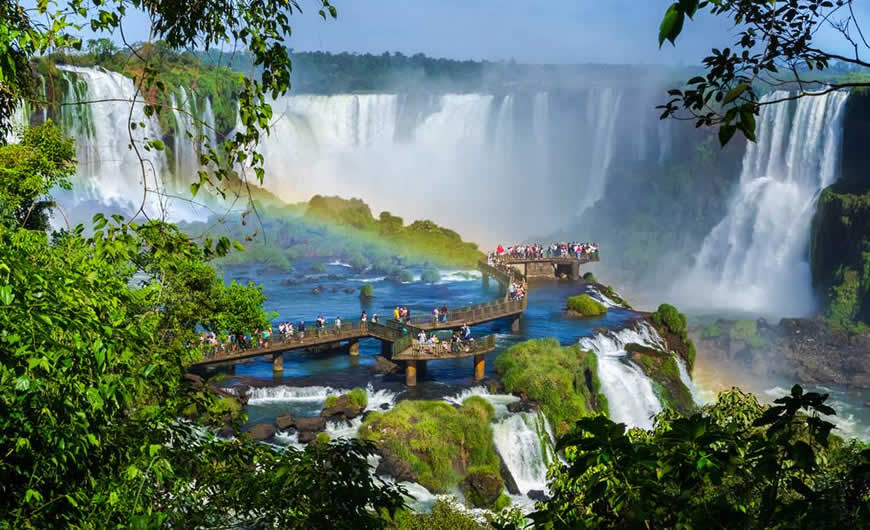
x=6 y=295
x=725 y=134
x=194 y=188
x=689 y=7
x=672 y=24
x=94 y=398
x=735 y=92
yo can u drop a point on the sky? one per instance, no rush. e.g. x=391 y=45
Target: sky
x=556 y=31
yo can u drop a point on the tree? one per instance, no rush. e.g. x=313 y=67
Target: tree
x=776 y=48
x=92 y=394
x=29 y=169
x=735 y=464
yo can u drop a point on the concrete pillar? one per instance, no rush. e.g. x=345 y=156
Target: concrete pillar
x=479 y=366
x=411 y=373
x=575 y=271
x=421 y=369
x=353 y=347
x=515 y=325
x=278 y=362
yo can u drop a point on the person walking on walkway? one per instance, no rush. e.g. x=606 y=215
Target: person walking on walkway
x=362 y=321
x=337 y=326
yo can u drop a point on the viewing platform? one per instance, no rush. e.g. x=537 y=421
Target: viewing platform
x=398 y=339
x=549 y=267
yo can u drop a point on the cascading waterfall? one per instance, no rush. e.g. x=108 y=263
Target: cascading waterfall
x=629 y=392
x=756 y=258
x=518 y=438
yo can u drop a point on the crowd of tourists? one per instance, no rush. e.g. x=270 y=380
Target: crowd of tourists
x=572 y=249
x=460 y=341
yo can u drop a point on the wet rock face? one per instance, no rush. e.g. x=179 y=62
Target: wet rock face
x=482 y=488
x=522 y=405
x=384 y=365
x=312 y=425
x=262 y=432
x=805 y=350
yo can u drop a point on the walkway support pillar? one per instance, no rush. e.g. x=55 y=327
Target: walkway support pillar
x=411 y=373
x=479 y=366
x=353 y=347
x=575 y=271
x=386 y=348
x=515 y=325
x=421 y=369
x=278 y=362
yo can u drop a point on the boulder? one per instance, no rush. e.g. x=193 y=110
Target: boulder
x=342 y=409
x=384 y=365
x=537 y=495
x=385 y=406
x=289 y=281
x=307 y=436
x=395 y=467
x=262 y=431
x=316 y=290
x=315 y=424
x=482 y=488
x=284 y=422
x=349 y=290
x=522 y=406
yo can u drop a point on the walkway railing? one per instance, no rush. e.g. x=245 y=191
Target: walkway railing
x=448 y=349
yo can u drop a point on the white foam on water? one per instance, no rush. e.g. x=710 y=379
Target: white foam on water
x=517 y=439
x=499 y=402
x=687 y=380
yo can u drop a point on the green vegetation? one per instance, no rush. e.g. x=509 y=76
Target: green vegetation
x=712 y=331
x=735 y=462
x=563 y=380
x=586 y=306
x=439 y=443
x=366 y=291
x=444 y=516
x=95 y=339
x=661 y=368
x=747 y=331
x=330 y=227
x=673 y=327
x=590 y=278
x=357 y=397
x=322 y=438
x=29 y=169
x=431 y=276
x=406 y=276
x=318 y=267
x=610 y=293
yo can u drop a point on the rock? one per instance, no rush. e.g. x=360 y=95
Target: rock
x=306 y=437
x=867 y=403
x=384 y=365
x=284 y=422
x=393 y=466
x=522 y=406
x=194 y=379
x=342 y=409
x=289 y=281
x=316 y=290
x=349 y=290
x=334 y=277
x=315 y=424
x=537 y=495
x=385 y=406
x=262 y=431
x=509 y=482
x=482 y=488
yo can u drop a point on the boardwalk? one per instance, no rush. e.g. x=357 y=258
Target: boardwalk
x=397 y=342
x=543 y=267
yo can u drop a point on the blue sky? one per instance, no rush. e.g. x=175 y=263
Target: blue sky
x=557 y=31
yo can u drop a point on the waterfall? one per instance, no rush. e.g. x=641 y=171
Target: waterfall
x=629 y=392
x=756 y=258
x=518 y=440
x=687 y=380
x=601 y=113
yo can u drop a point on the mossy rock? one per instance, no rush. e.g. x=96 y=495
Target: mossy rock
x=431 y=276
x=673 y=327
x=346 y=406
x=366 y=291
x=661 y=368
x=482 y=487
x=433 y=440
x=590 y=278
x=405 y=276
x=318 y=267
x=563 y=380
x=585 y=306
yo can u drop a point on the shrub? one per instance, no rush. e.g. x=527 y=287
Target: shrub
x=586 y=306
x=318 y=267
x=556 y=377
x=668 y=316
x=366 y=291
x=590 y=278
x=712 y=331
x=406 y=276
x=322 y=438
x=431 y=276
x=747 y=331
x=358 y=397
